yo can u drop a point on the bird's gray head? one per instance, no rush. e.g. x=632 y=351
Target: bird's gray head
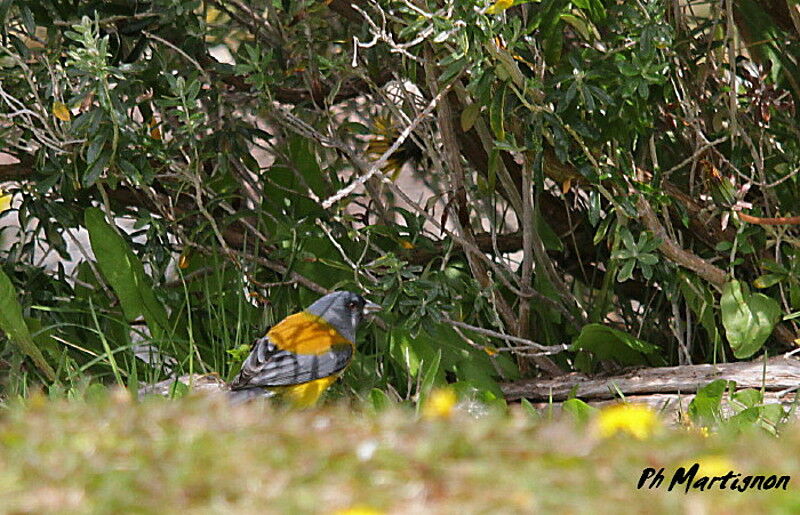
x=344 y=310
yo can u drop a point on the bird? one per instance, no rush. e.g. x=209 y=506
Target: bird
x=301 y=356
x=384 y=135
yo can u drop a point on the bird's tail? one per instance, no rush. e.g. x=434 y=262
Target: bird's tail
x=248 y=394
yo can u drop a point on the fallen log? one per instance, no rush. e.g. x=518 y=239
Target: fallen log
x=775 y=374
x=204 y=383
x=666 y=389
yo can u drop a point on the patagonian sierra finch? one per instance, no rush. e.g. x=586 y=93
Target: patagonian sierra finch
x=304 y=353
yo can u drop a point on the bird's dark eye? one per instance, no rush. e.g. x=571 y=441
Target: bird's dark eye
x=352 y=304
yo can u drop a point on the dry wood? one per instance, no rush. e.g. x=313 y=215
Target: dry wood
x=203 y=383
x=668 y=390
x=780 y=373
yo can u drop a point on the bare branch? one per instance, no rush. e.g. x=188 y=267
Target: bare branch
x=524 y=343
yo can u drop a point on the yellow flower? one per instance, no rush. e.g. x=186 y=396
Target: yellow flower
x=440 y=403
x=711 y=465
x=358 y=510
x=693 y=428
x=699 y=430
x=637 y=420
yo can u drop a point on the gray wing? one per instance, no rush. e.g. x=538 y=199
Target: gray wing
x=269 y=366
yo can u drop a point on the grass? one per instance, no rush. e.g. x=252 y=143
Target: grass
x=110 y=454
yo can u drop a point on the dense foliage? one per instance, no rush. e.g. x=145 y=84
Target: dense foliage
x=505 y=179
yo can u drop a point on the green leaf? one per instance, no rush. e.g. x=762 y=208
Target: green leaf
x=551 y=29
x=586 y=30
x=431 y=371
x=743 y=420
x=469 y=115
x=581 y=411
x=705 y=407
x=597 y=10
x=124 y=272
x=701 y=302
x=767 y=280
x=96 y=169
x=608 y=343
x=379 y=400
x=403 y=351
x=748 y=319
x=528 y=408
x=178 y=390
x=602 y=229
x=496 y=115
x=772 y=413
x=627 y=238
x=453 y=69
x=626 y=272
x=648 y=259
x=304 y=160
x=507 y=67
x=13 y=324
x=548 y=236
x=96 y=146
x=775 y=268
x=96 y=392
x=28 y=20
x=483 y=88
x=749 y=397
x=479 y=374
x=594 y=208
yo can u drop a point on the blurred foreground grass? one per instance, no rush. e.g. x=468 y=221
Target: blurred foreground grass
x=200 y=455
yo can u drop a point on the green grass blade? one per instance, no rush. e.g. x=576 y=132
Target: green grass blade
x=12 y=323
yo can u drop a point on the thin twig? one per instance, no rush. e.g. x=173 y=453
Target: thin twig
x=529 y=344
x=376 y=166
x=179 y=51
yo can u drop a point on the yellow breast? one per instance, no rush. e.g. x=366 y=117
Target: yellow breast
x=304 y=333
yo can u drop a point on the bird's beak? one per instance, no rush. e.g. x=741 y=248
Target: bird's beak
x=371 y=307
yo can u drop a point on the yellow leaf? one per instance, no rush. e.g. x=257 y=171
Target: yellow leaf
x=499 y=6
x=5 y=200
x=212 y=14
x=406 y=244
x=565 y=186
x=61 y=111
